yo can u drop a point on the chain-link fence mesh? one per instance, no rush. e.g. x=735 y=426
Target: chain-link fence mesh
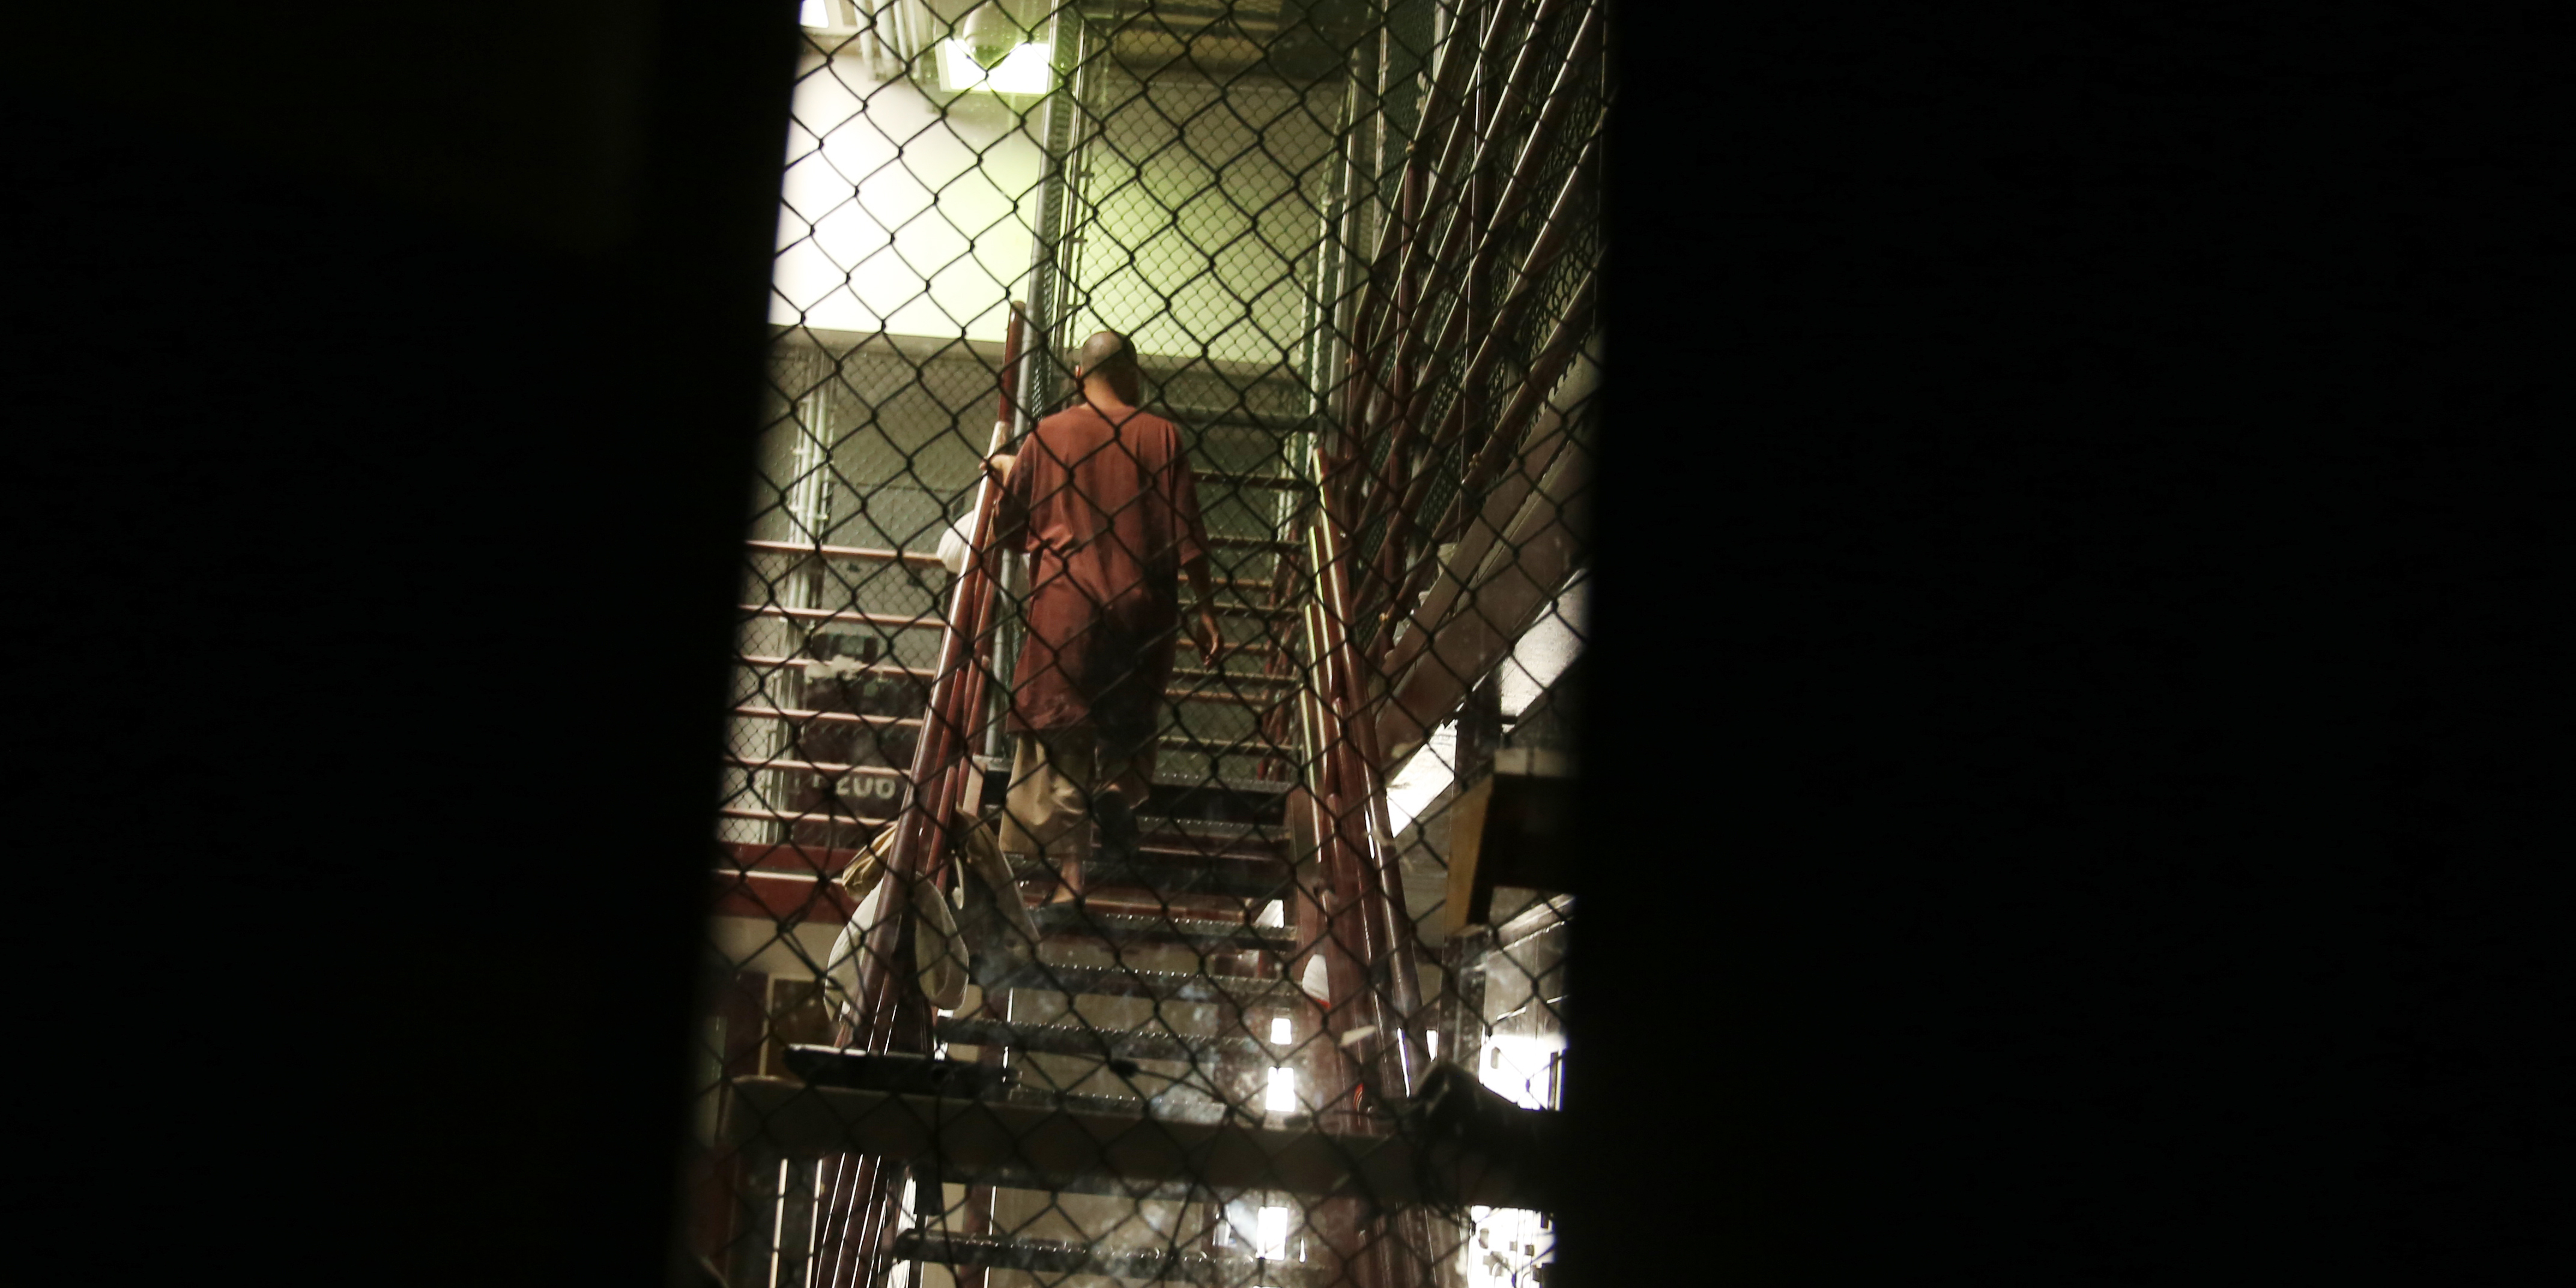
x=1064 y=932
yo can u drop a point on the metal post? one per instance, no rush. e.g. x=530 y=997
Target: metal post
x=1047 y=273
x=1057 y=134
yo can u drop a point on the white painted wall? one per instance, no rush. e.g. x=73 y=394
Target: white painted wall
x=896 y=216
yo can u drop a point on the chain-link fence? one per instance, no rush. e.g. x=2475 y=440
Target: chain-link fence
x=1143 y=848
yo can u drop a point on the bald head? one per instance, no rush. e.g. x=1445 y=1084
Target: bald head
x=1106 y=352
x=1107 y=365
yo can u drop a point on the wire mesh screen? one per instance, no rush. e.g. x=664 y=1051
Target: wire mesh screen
x=1201 y=203
x=1142 y=847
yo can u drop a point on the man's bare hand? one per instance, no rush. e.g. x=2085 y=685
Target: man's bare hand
x=1204 y=633
x=998 y=465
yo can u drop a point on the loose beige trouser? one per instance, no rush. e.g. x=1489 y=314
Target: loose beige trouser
x=1047 y=810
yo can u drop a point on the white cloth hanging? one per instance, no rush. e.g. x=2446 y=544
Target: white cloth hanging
x=953 y=547
x=939 y=954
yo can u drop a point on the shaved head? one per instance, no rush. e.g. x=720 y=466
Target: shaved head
x=1107 y=367
x=1105 y=353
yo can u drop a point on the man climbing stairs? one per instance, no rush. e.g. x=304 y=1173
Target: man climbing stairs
x=1166 y=993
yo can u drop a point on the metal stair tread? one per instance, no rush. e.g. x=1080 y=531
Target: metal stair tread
x=1169 y=1108
x=1194 y=841
x=1224 y=746
x=1194 y=847
x=1193 y=778
x=1181 y=853
x=1064 y=1256
x=1103 y=1185
x=1076 y=1039
x=1239 y=677
x=1163 y=985
x=1243 y=479
x=1128 y=927
x=1165 y=824
x=1229 y=697
x=1240 y=877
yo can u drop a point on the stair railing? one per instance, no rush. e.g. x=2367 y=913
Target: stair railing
x=859 y=1224
x=1352 y=788
x=1456 y=256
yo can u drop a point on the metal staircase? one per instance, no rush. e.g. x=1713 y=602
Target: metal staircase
x=1168 y=995
x=1163 y=996
x=1374 y=275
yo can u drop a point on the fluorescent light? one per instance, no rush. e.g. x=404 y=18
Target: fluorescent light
x=1274 y=1234
x=1283 y=1091
x=1279 y=1028
x=1024 y=72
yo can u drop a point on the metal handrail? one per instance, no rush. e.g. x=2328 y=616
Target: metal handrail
x=923 y=621
x=943 y=763
x=860 y=554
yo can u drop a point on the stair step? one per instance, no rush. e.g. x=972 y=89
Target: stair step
x=1179 y=872
x=1249 y=679
x=1127 y=928
x=1206 y=830
x=1240 y=786
x=1059 y=1256
x=1172 y=1108
x=1240 y=746
x=1173 y=869
x=1257 y=702
x=1161 y=985
x=1076 y=1039
x=1170 y=844
x=1264 y=545
x=1165 y=840
x=1152 y=903
x=1017 y=1178
x=1235 y=479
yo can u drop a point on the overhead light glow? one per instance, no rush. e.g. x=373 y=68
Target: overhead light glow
x=1283 y=1091
x=1025 y=71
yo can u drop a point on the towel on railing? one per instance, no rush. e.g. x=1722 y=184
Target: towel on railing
x=939 y=948
x=939 y=953
x=952 y=546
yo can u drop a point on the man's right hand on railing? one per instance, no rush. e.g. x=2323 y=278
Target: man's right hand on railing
x=1008 y=518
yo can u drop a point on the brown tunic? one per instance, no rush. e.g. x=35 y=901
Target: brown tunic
x=1108 y=514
